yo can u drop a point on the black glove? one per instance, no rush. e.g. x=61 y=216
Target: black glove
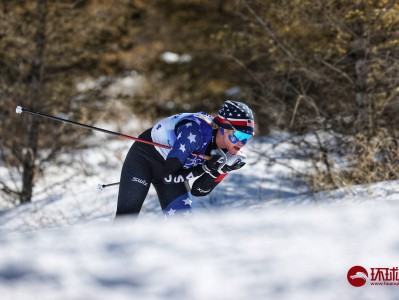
x=216 y=163
x=237 y=165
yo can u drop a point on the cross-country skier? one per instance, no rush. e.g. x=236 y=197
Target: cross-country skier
x=170 y=170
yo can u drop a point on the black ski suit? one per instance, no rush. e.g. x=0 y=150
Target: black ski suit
x=169 y=170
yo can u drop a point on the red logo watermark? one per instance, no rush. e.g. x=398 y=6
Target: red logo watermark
x=359 y=276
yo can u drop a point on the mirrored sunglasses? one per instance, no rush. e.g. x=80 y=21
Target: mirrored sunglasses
x=239 y=136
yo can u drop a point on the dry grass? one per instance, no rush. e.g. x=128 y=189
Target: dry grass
x=368 y=160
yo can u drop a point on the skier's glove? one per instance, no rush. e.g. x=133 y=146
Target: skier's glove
x=234 y=162
x=237 y=165
x=216 y=163
x=222 y=163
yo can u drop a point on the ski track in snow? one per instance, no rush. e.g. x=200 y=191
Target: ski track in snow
x=260 y=235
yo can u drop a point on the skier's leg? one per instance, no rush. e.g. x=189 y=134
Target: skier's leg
x=134 y=183
x=175 y=199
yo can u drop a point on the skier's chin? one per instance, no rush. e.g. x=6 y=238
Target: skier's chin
x=234 y=150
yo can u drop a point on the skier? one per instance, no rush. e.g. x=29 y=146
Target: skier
x=169 y=170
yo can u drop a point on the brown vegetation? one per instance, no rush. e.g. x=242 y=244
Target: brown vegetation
x=303 y=65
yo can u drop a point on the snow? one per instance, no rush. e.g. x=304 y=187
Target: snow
x=260 y=235
x=172 y=58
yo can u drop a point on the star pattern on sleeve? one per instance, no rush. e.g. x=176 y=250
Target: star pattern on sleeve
x=182 y=148
x=192 y=137
x=188 y=140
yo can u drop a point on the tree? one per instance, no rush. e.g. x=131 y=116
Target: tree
x=46 y=48
x=332 y=58
x=303 y=65
x=335 y=64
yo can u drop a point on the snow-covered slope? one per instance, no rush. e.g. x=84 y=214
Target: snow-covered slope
x=260 y=235
x=277 y=253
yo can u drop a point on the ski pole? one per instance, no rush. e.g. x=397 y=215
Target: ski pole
x=20 y=110
x=101 y=187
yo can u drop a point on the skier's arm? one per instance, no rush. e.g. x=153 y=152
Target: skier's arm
x=215 y=172
x=205 y=184
x=189 y=137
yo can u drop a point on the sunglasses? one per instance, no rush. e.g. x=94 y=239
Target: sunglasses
x=237 y=135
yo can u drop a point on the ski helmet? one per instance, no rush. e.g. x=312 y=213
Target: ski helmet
x=237 y=114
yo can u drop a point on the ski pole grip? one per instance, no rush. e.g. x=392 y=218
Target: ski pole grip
x=206 y=157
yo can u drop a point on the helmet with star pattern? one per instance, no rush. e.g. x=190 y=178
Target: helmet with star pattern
x=235 y=115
